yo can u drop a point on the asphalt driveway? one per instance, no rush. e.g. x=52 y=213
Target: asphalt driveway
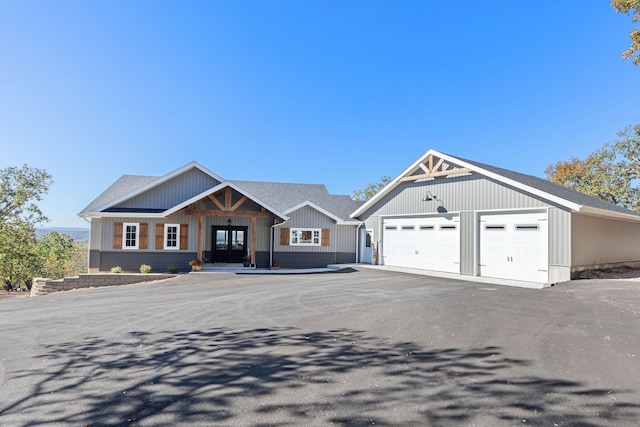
x=354 y=348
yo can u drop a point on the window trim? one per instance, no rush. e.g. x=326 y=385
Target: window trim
x=166 y=247
x=124 y=235
x=295 y=231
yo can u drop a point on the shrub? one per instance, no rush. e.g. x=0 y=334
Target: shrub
x=116 y=270
x=145 y=269
x=174 y=270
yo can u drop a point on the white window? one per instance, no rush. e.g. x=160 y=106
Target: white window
x=172 y=236
x=305 y=236
x=130 y=236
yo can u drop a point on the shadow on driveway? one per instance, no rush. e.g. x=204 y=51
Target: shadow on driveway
x=285 y=376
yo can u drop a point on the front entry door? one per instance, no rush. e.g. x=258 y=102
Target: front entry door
x=229 y=243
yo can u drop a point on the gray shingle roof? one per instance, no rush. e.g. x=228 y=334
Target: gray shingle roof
x=123 y=186
x=284 y=196
x=279 y=195
x=552 y=188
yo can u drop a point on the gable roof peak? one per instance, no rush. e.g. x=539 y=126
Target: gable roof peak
x=138 y=184
x=427 y=167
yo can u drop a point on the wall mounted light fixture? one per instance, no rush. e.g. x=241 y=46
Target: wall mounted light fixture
x=429 y=197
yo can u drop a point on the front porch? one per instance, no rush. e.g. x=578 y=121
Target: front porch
x=231 y=227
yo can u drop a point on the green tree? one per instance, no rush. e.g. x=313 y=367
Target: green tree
x=610 y=173
x=20 y=188
x=57 y=253
x=80 y=259
x=19 y=258
x=630 y=7
x=370 y=190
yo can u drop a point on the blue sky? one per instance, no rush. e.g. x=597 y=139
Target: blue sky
x=332 y=92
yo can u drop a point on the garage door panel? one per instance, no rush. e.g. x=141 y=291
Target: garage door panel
x=430 y=243
x=514 y=246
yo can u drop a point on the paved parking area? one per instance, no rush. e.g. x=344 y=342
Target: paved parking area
x=353 y=348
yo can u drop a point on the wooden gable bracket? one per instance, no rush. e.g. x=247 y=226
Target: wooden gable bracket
x=216 y=202
x=431 y=170
x=228 y=197
x=227 y=207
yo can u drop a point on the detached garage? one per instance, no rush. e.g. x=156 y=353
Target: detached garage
x=454 y=216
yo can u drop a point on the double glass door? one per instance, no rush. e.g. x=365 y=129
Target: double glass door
x=229 y=243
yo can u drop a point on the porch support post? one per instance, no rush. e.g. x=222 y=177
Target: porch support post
x=200 y=237
x=253 y=239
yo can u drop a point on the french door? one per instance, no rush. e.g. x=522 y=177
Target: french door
x=229 y=243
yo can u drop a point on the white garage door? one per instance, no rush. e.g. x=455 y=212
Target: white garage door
x=430 y=243
x=514 y=246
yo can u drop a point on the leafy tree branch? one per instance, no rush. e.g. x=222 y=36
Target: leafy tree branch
x=632 y=8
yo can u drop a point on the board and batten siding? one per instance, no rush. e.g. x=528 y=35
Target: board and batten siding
x=95 y=235
x=454 y=194
x=342 y=237
x=173 y=192
x=597 y=240
x=107 y=227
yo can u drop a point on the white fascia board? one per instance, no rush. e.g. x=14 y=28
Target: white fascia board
x=161 y=180
x=559 y=200
x=218 y=188
x=316 y=207
x=587 y=210
x=391 y=185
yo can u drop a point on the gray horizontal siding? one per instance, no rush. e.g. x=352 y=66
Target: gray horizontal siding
x=312 y=259
x=159 y=261
x=94 y=258
x=262 y=259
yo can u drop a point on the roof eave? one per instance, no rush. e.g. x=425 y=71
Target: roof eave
x=394 y=183
x=588 y=210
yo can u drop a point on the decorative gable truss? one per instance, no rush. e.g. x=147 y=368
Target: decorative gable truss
x=224 y=202
x=433 y=167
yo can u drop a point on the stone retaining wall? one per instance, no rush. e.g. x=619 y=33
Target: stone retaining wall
x=43 y=286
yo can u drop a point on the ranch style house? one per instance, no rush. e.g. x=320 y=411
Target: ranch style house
x=443 y=215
